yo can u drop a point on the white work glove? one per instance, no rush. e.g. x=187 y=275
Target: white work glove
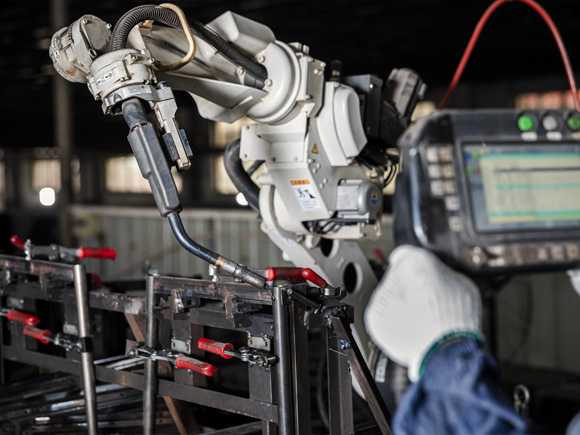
x=419 y=303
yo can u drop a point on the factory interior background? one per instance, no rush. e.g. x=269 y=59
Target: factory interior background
x=67 y=174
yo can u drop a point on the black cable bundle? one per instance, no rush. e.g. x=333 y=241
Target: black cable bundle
x=239 y=177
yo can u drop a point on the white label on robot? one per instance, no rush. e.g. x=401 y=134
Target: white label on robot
x=305 y=193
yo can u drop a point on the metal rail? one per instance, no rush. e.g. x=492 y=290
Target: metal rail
x=280 y=312
x=150 y=393
x=88 y=367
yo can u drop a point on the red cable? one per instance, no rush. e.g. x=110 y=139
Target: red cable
x=477 y=32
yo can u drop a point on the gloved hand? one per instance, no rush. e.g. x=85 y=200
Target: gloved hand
x=419 y=304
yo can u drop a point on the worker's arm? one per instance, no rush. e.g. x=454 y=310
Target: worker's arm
x=426 y=316
x=457 y=393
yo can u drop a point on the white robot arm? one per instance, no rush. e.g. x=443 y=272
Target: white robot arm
x=323 y=141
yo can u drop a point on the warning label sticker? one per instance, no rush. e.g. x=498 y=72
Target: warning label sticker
x=305 y=194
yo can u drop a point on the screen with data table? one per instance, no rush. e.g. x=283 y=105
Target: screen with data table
x=523 y=187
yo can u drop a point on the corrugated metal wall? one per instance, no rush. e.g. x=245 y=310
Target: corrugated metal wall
x=143 y=239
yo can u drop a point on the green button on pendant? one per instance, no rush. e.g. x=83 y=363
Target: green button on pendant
x=573 y=122
x=526 y=123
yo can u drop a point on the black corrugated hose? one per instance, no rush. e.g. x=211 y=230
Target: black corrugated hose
x=240 y=178
x=166 y=16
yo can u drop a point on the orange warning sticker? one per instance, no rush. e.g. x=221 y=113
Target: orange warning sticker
x=305 y=193
x=300 y=182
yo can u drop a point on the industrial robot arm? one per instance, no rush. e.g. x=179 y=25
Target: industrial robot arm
x=324 y=141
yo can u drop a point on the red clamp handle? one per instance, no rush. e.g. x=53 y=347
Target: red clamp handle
x=216 y=347
x=102 y=253
x=42 y=335
x=24 y=318
x=295 y=274
x=18 y=242
x=195 y=365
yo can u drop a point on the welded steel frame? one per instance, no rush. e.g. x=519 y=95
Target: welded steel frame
x=52 y=281
x=278 y=397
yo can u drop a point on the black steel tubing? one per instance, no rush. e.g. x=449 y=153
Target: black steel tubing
x=87 y=366
x=363 y=375
x=283 y=369
x=340 y=404
x=299 y=350
x=150 y=393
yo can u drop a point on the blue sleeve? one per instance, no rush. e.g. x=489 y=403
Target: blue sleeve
x=457 y=394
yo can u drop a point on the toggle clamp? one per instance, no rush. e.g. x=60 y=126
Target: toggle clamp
x=179 y=361
x=60 y=253
x=302 y=275
x=19 y=316
x=45 y=336
x=252 y=357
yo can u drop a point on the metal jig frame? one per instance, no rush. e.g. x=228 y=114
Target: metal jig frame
x=279 y=396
